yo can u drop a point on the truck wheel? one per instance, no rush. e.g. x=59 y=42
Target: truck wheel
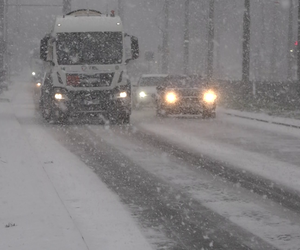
x=120 y=118
x=52 y=115
x=124 y=119
x=46 y=111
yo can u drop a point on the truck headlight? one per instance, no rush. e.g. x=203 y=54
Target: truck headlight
x=123 y=95
x=60 y=94
x=209 y=96
x=171 y=97
x=142 y=94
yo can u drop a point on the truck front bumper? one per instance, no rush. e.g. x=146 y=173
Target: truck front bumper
x=74 y=103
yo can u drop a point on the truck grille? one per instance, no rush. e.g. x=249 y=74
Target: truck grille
x=188 y=92
x=83 y=101
x=96 y=80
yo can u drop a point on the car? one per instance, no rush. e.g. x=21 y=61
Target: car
x=186 y=95
x=145 y=91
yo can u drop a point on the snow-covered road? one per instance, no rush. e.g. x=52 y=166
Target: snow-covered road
x=49 y=198
x=159 y=168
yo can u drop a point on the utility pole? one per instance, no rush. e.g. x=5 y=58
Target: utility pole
x=6 y=56
x=273 y=66
x=246 y=43
x=290 y=41
x=261 y=66
x=121 y=10
x=210 y=40
x=165 y=42
x=66 y=6
x=298 y=47
x=186 y=41
x=2 y=41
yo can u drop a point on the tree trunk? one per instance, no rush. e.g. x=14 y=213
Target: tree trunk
x=210 y=40
x=2 y=42
x=165 y=42
x=186 y=41
x=290 y=42
x=298 y=45
x=246 y=43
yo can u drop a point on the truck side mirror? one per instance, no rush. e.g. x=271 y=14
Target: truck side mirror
x=44 y=48
x=135 y=51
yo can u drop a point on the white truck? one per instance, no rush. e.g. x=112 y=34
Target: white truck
x=86 y=67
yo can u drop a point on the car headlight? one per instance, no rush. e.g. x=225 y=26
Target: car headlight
x=142 y=94
x=33 y=73
x=38 y=84
x=171 y=97
x=59 y=96
x=209 y=96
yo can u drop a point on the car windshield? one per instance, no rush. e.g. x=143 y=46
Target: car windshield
x=183 y=82
x=89 y=48
x=151 y=81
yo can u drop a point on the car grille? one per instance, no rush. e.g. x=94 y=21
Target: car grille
x=96 y=80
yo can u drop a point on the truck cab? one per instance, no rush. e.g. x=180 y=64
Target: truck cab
x=86 y=67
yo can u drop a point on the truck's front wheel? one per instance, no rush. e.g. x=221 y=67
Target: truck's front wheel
x=121 y=118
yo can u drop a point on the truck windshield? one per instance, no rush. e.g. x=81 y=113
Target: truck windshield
x=89 y=48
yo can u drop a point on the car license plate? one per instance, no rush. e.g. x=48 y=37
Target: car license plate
x=91 y=102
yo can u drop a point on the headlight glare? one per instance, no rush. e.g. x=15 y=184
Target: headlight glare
x=123 y=94
x=171 y=97
x=33 y=73
x=209 y=96
x=59 y=96
x=38 y=84
x=142 y=94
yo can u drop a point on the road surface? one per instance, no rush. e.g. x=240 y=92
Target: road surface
x=189 y=183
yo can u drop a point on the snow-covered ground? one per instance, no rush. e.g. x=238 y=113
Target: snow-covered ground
x=262 y=117
x=265 y=149
x=49 y=198
x=250 y=211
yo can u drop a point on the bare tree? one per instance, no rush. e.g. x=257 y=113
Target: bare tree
x=246 y=43
x=290 y=41
x=298 y=47
x=165 y=42
x=210 y=40
x=2 y=42
x=262 y=52
x=186 y=42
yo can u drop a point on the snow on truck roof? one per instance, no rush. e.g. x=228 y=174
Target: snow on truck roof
x=92 y=22
x=154 y=75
